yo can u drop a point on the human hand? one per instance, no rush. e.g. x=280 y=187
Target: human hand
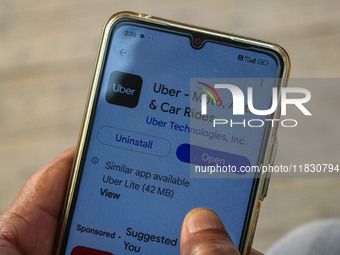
x=203 y=233
x=29 y=225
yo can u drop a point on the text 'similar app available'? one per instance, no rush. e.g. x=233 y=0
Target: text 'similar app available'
x=124 y=89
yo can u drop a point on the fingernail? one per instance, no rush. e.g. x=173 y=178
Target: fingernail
x=203 y=219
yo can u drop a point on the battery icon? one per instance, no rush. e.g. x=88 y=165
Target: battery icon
x=262 y=62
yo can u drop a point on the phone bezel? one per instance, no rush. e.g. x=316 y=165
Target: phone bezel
x=268 y=141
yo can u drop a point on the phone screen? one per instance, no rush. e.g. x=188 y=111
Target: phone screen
x=135 y=187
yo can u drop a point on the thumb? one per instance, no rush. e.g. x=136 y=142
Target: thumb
x=203 y=233
x=29 y=225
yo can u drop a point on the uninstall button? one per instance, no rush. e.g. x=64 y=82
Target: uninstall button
x=129 y=140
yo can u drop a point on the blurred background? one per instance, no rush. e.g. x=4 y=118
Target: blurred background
x=47 y=55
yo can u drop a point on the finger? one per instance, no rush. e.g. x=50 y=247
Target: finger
x=203 y=233
x=33 y=217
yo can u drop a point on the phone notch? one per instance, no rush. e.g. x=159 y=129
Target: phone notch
x=197 y=41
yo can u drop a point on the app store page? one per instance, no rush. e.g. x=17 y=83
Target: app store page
x=136 y=186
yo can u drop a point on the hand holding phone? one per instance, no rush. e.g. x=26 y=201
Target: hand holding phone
x=150 y=143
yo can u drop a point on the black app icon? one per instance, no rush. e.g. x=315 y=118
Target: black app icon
x=124 y=89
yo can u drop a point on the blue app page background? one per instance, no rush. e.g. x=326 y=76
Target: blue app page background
x=118 y=211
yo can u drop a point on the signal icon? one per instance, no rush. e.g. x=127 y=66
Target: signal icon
x=250 y=60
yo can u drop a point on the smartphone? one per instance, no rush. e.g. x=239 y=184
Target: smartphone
x=132 y=181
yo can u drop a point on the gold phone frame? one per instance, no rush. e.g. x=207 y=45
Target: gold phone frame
x=269 y=143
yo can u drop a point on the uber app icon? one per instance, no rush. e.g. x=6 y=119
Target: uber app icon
x=124 y=89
